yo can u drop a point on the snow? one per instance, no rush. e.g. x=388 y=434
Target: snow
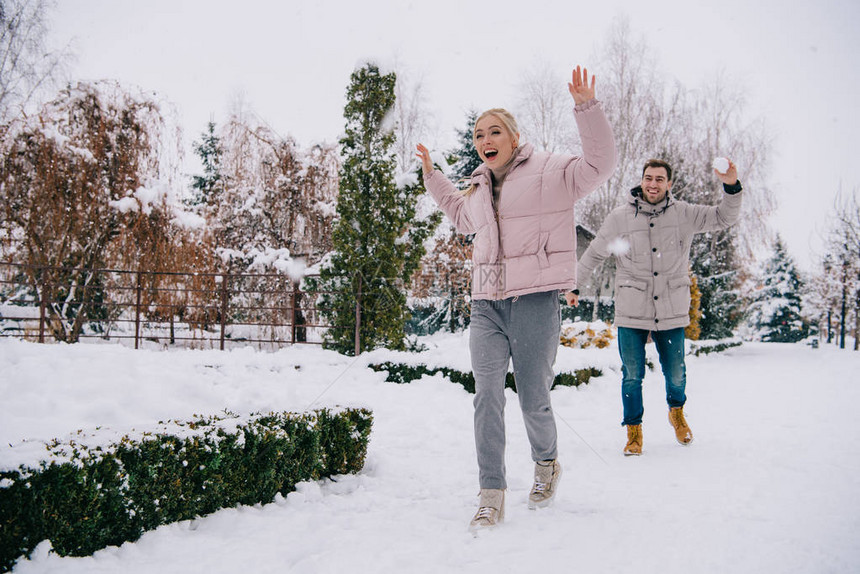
x=768 y=485
x=187 y=219
x=125 y=204
x=439 y=160
x=619 y=246
x=145 y=197
x=325 y=209
x=405 y=180
x=721 y=164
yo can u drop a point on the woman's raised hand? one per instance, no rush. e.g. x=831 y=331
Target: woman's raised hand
x=426 y=162
x=578 y=86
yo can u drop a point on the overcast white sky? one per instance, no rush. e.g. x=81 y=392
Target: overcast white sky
x=291 y=61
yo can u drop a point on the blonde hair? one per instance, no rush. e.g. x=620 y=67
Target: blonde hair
x=508 y=122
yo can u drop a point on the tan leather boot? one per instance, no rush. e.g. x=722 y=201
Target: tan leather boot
x=682 y=430
x=491 y=509
x=543 y=490
x=634 y=440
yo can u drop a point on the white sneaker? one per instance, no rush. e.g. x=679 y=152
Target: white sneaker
x=491 y=509
x=547 y=474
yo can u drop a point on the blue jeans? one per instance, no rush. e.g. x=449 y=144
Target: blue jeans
x=670 y=347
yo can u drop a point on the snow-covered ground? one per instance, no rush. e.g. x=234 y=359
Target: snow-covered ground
x=769 y=484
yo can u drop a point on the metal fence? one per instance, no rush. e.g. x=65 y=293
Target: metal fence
x=199 y=310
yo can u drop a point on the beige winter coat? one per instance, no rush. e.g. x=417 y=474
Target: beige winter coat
x=651 y=245
x=530 y=245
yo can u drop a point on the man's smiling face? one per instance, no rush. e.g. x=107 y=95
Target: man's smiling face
x=655 y=184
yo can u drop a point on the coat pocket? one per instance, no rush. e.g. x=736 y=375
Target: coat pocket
x=679 y=295
x=543 y=259
x=481 y=245
x=631 y=298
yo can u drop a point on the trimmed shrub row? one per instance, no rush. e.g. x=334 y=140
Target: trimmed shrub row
x=84 y=499
x=400 y=373
x=698 y=348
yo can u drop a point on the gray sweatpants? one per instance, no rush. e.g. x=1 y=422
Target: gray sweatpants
x=525 y=329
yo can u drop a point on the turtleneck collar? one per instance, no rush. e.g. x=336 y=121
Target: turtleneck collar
x=501 y=172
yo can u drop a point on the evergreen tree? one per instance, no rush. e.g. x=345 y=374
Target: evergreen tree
x=209 y=150
x=775 y=313
x=377 y=245
x=466 y=156
x=713 y=262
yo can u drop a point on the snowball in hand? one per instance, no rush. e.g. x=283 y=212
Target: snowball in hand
x=721 y=164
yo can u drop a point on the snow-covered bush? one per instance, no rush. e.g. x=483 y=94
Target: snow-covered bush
x=713 y=346
x=87 y=496
x=403 y=373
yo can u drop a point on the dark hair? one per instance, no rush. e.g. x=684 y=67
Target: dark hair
x=658 y=163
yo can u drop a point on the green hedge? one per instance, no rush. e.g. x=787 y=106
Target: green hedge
x=400 y=373
x=698 y=348
x=84 y=499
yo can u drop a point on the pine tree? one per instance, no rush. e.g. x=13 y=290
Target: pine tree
x=467 y=158
x=776 y=309
x=713 y=262
x=377 y=245
x=209 y=150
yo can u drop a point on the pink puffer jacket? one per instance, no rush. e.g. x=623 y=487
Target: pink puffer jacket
x=531 y=247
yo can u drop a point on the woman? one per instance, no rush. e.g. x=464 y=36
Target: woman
x=520 y=208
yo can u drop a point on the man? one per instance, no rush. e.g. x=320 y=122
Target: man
x=650 y=237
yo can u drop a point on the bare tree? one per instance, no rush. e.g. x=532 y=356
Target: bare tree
x=844 y=247
x=411 y=117
x=821 y=302
x=544 y=110
x=26 y=65
x=272 y=213
x=834 y=294
x=275 y=196
x=634 y=102
x=688 y=128
x=711 y=122
x=633 y=97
